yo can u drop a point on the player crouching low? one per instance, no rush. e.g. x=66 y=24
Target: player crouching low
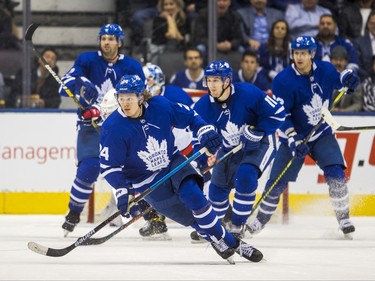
x=138 y=149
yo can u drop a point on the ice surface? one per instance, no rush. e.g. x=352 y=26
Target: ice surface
x=308 y=248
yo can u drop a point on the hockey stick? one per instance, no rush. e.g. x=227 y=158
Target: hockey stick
x=287 y=166
x=337 y=126
x=29 y=38
x=225 y=156
x=101 y=240
x=43 y=250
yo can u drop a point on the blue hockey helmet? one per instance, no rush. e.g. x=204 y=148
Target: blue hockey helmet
x=304 y=43
x=112 y=29
x=130 y=84
x=218 y=68
x=152 y=71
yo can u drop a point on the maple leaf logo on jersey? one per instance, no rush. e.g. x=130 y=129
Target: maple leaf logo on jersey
x=104 y=88
x=156 y=156
x=232 y=133
x=313 y=110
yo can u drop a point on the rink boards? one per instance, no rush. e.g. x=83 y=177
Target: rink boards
x=37 y=160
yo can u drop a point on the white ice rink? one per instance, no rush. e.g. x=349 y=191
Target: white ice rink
x=308 y=248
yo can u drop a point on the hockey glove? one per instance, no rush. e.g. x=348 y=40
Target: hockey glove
x=88 y=94
x=92 y=112
x=350 y=79
x=298 y=148
x=124 y=196
x=250 y=139
x=209 y=138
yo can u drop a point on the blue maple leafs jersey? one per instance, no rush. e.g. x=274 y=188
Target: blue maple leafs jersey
x=176 y=94
x=139 y=150
x=102 y=74
x=303 y=97
x=246 y=105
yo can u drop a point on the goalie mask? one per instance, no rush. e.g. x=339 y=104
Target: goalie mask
x=155 y=78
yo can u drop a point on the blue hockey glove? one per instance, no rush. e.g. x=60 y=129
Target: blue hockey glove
x=209 y=138
x=88 y=94
x=124 y=195
x=92 y=112
x=250 y=139
x=297 y=146
x=350 y=79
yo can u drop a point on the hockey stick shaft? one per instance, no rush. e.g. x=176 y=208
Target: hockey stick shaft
x=330 y=120
x=101 y=240
x=225 y=156
x=28 y=37
x=40 y=249
x=287 y=166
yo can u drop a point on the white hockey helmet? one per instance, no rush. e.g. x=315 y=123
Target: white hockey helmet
x=109 y=103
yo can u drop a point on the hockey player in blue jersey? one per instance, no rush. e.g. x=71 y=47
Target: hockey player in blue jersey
x=155 y=227
x=92 y=75
x=138 y=149
x=241 y=112
x=304 y=88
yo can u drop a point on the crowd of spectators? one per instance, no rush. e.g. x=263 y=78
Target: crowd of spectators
x=260 y=31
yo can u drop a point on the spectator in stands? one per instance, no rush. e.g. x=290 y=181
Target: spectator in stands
x=303 y=18
x=168 y=28
x=327 y=40
x=192 y=9
x=369 y=90
x=366 y=48
x=257 y=22
x=274 y=55
x=229 y=37
x=44 y=88
x=281 y=4
x=134 y=14
x=348 y=103
x=352 y=21
x=239 y=4
x=251 y=72
x=8 y=31
x=192 y=76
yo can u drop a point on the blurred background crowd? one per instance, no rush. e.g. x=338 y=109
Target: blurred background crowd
x=252 y=35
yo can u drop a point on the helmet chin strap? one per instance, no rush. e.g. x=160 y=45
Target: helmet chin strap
x=222 y=93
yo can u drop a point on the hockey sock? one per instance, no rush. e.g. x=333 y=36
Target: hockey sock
x=219 y=198
x=87 y=173
x=338 y=191
x=245 y=186
x=210 y=224
x=269 y=204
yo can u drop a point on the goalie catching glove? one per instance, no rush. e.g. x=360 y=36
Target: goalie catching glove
x=209 y=138
x=296 y=144
x=124 y=195
x=251 y=139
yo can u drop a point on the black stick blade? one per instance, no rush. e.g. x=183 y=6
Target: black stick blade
x=30 y=31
